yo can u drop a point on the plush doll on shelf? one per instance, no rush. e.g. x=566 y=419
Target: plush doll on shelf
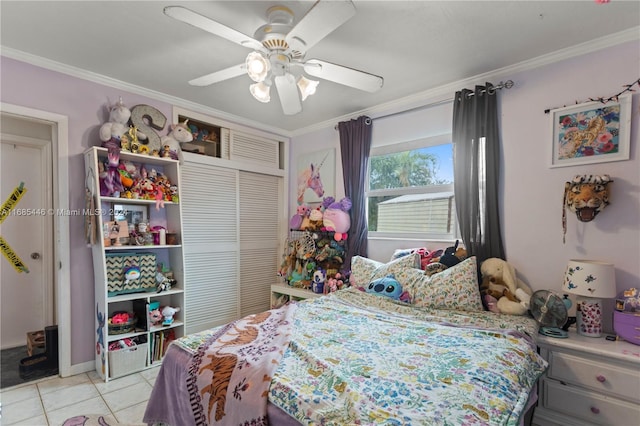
x=155 y=316
x=167 y=313
x=112 y=131
x=179 y=133
x=499 y=279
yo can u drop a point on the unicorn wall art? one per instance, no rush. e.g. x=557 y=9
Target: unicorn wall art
x=316 y=173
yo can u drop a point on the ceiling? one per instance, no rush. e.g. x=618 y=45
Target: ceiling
x=415 y=46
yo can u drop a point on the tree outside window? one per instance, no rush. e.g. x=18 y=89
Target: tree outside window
x=410 y=189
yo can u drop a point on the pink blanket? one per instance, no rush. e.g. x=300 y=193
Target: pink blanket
x=229 y=377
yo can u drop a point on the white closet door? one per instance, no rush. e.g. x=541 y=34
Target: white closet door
x=210 y=240
x=260 y=208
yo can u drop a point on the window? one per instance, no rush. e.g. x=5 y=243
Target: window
x=410 y=190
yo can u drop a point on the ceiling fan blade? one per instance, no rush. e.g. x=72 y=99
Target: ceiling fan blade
x=323 y=18
x=221 y=75
x=200 y=21
x=288 y=94
x=343 y=75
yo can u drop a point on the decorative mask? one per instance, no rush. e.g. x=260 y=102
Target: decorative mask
x=586 y=196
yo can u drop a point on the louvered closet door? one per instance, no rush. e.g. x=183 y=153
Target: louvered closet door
x=210 y=226
x=260 y=205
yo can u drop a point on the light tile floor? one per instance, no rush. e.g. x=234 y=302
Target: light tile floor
x=50 y=401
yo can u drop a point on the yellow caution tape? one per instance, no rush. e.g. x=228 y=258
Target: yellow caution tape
x=7 y=251
x=12 y=201
x=13 y=258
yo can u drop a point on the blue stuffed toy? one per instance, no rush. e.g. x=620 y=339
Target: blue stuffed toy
x=388 y=286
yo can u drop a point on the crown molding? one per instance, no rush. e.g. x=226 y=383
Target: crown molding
x=438 y=94
x=132 y=88
x=444 y=92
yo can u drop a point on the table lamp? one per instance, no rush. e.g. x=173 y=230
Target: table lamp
x=591 y=281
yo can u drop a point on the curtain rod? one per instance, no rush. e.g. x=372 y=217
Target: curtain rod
x=502 y=85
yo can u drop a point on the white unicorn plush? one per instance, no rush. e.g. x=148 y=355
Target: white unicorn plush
x=180 y=133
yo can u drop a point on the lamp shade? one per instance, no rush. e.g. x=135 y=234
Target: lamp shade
x=590 y=278
x=307 y=87
x=257 y=66
x=261 y=91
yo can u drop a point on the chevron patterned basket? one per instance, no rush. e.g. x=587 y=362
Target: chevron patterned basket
x=116 y=264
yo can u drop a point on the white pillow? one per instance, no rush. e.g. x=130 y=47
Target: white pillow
x=365 y=270
x=454 y=288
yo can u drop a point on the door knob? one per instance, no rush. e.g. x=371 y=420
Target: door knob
x=35 y=256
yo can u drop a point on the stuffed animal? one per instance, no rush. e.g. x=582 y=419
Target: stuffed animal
x=450 y=258
x=302 y=211
x=180 y=133
x=319 y=277
x=336 y=217
x=388 y=286
x=112 y=131
x=498 y=273
x=167 y=313
x=155 y=316
x=315 y=220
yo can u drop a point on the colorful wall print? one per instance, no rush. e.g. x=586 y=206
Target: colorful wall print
x=316 y=176
x=592 y=132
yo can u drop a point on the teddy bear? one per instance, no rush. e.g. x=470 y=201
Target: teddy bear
x=499 y=279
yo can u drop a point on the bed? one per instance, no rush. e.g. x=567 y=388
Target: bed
x=356 y=358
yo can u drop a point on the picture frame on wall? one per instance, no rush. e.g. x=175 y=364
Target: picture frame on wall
x=316 y=176
x=591 y=132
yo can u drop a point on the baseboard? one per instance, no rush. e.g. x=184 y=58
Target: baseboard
x=85 y=367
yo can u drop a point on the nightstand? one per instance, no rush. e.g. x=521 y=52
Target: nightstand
x=292 y=292
x=589 y=381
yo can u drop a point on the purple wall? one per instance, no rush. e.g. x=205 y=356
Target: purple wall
x=84 y=103
x=531 y=191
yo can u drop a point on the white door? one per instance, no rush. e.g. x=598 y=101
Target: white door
x=26 y=231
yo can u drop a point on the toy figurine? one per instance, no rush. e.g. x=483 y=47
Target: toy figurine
x=168 y=312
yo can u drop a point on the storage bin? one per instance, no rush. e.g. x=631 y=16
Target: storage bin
x=627 y=326
x=128 y=360
x=117 y=263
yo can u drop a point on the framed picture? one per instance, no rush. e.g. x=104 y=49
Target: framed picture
x=130 y=213
x=316 y=176
x=591 y=132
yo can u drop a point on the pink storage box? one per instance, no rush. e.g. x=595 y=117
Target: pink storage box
x=627 y=326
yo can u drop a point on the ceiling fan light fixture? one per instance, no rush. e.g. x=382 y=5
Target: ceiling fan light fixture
x=307 y=87
x=257 y=66
x=261 y=91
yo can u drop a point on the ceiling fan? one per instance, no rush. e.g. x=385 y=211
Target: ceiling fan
x=279 y=48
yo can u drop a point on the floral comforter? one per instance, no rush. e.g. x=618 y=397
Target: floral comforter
x=356 y=358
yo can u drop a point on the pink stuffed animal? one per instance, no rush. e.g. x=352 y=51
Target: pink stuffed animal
x=336 y=217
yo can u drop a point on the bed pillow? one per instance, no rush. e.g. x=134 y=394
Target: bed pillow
x=365 y=270
x=454 y=288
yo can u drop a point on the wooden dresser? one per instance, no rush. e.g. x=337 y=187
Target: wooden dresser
x=589 y=381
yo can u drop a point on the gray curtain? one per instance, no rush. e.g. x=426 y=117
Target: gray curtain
x=476 y=159
x=355 y=145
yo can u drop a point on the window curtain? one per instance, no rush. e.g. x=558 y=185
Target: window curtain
x=476 y=170
x=355 y=146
